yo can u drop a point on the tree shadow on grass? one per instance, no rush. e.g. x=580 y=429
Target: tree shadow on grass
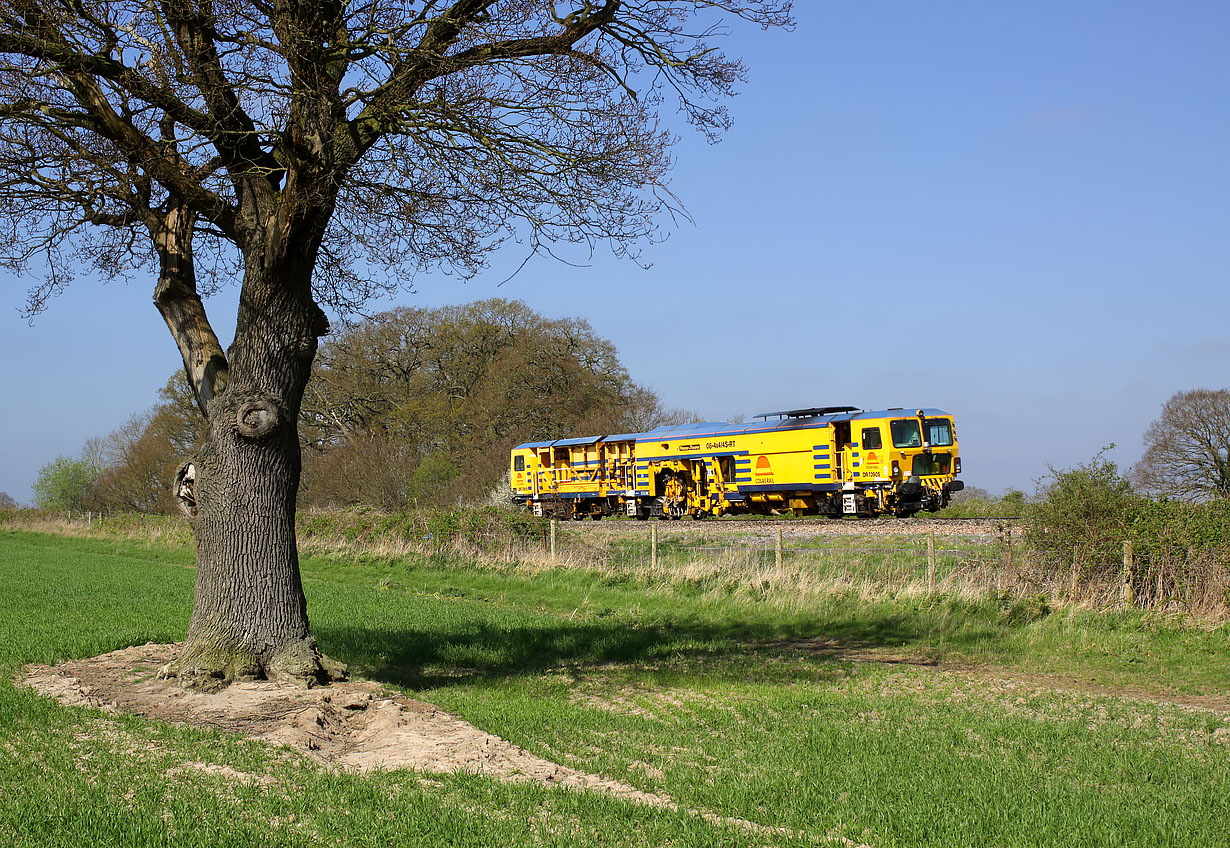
x=432 y=658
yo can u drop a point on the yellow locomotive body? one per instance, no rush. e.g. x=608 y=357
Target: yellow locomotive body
x=824 y=461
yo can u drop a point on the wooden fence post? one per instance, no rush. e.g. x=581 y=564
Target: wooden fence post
x=653 y=546
x=930 y=561
x=778 y=548
x=553 y=523
x=1127 y=593
x=1191 y=559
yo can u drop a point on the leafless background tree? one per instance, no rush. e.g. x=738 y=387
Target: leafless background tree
x=210 y=140
x=1187 y=449
x=140 y=458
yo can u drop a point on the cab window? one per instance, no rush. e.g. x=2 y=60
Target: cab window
x=871 y=438
x=939 y=432
x=906 y=433
x=519 y=463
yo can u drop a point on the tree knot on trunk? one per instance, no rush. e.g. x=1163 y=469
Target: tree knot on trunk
x=257 y=418
x=184 y=488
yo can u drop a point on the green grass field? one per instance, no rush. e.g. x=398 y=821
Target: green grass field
x=1037 y=727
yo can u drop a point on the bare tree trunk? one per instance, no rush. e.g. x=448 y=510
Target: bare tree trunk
x=250 y=615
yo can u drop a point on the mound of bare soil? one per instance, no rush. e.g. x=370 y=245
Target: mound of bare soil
x=355 y=725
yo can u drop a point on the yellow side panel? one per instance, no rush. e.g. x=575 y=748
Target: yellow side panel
x=787 y=458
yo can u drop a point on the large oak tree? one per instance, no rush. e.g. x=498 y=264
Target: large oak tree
x=276 y=142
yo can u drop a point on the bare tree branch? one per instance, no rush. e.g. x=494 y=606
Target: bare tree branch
x=177 y=299
x=1187 y=449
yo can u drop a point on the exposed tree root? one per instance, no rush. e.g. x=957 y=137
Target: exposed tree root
x=210 y=667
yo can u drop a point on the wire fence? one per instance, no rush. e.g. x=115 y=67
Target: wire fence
x=793 y=563
x=1106 y=573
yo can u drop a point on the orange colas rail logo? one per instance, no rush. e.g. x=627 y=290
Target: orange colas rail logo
x=764 y=471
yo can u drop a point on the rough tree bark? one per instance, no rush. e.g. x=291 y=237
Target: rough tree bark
x=250 y=614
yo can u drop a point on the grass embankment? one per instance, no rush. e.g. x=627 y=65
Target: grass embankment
x=730 y=705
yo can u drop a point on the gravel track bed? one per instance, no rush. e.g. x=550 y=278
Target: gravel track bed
x=802 y=528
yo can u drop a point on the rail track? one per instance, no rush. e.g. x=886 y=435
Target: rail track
x=825 y=521
x=987 y=526
x=886 y=520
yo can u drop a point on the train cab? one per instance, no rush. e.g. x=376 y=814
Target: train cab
x=905 y=460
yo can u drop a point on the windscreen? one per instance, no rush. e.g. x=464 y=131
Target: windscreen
x=939 y=432
x=906 y=433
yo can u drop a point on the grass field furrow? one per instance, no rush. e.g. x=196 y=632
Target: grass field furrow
x=765 y=726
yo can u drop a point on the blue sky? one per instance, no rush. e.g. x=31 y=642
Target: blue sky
x=1016 y=212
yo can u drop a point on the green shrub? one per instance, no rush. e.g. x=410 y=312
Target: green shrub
x=1084 y=515
x=1082 y=512
x=432 y=476
x=64 y=483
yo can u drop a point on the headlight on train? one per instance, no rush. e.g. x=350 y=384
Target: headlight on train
x=956 y=465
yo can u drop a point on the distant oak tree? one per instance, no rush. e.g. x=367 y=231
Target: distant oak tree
x=1187 y=449
x=301 y=147
x=399 y=404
